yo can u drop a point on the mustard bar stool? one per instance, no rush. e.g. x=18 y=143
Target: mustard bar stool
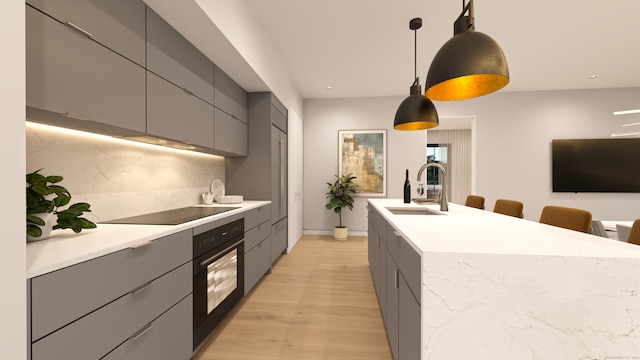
x=565 y=217
x=634 y=234
x=475 y=201
x=509 y=207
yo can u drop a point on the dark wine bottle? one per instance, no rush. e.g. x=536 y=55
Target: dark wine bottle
x=407 y=189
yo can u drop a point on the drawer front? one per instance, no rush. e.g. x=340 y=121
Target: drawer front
x=94 y=335
x=231 y=134
x=254 y=217
x=256 y=263
x=69 y=74
x=117 y=24
x=167 y=102
x=408 y=260
x=174 y=58
x=254 y=236
x=278 y=239
x=230 y=97
x=380 y=224
x=168 y=337
x=62 y=296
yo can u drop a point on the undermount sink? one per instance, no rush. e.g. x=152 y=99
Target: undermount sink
x=413 y=211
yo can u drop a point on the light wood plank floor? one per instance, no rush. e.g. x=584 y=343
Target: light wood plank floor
x=318 y=303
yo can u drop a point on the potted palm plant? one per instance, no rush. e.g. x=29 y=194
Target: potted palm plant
x=339 y=196
x=45 y=196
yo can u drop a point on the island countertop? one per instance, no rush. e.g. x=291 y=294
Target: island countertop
x=498 y=287
x=464 y=229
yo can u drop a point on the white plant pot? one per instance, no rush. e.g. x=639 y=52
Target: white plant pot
x=340 y=233
x=49 y=221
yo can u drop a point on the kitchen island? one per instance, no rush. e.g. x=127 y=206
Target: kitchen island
x=498 y=287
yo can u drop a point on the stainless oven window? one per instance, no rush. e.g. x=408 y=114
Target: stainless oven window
x=222 y=277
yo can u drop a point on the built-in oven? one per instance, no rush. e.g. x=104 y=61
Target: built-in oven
x=218 y=276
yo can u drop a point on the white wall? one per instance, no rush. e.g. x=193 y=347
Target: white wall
x=13 y=343
x=322 y=120
x=513 y=147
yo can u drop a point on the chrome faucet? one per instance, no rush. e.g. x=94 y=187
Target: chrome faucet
x=444 y=206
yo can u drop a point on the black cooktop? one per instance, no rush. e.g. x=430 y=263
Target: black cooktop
x=172 y=217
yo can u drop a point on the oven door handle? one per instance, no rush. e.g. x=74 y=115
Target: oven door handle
x=210 y=259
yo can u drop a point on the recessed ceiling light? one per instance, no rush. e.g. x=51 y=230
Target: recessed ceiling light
x=632 y=124
x=627 y=112
x=594 y=76
x=329 y=87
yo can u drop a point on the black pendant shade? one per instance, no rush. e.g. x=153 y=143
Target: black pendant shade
x=416 y=112
x=469 y=65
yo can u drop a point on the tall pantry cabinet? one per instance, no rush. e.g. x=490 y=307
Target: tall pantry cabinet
x=263 y=174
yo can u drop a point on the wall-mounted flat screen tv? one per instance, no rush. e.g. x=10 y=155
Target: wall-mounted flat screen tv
x=596 y=165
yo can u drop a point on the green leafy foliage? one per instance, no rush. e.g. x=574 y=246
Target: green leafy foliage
x=46 y=195
x=339 y=194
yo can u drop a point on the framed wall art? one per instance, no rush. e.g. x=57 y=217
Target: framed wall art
x=363 y=153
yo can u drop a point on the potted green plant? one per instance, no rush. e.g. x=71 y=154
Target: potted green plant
x=45 y=196
x=339 y=196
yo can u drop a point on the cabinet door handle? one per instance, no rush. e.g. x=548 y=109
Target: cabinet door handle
x=141 y=332
x=78 y=29
x=395 y=278
x=209 y=260
x=140 y=289
x=187 y=91
x=76 y=116
x=141 y=245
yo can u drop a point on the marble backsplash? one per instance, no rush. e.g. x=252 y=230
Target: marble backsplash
x=120 y=178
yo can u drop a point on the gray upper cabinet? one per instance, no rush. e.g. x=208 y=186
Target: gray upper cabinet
x=116 y=24
x=230 y=97
x=70 y=74
x=176 y=114
x=172 y=57
x=231 y=134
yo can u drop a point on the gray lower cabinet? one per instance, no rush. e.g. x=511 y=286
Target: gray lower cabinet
x=86 y=310
x=174 y=113
x=172 y=57
x=278 y=239
x=77 y=78
x=409 y=322
x=167 y=337
x=231 y=134
x=396 y=270
x=117 y=24
x=257 y=241
x=230 y=97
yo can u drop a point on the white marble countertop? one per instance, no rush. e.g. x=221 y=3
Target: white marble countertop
x=464 y=229
x=498 y=287
x=65 y=248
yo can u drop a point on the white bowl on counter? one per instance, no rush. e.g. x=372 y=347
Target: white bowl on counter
x=229 y=199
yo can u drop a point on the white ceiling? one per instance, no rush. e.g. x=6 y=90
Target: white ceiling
x=365 y=48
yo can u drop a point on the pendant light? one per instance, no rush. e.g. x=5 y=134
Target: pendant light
x=469 y=65
x=416 y=112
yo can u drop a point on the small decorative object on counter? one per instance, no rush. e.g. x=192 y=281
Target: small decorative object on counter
x=407 y=189
x=207 y=198
x=339 y=196
x=44 y=198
